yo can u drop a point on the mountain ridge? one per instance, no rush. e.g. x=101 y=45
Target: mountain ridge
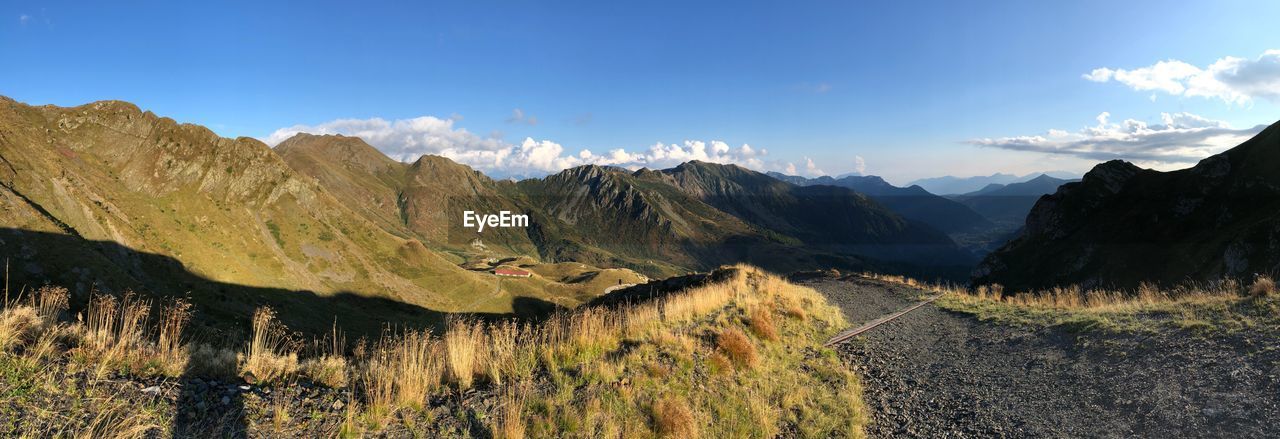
x=1123 y=225
x=913 y=202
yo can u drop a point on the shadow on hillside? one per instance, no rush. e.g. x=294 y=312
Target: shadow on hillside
x=222 y=311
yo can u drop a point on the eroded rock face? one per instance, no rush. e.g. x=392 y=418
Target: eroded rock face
x=1122 y=225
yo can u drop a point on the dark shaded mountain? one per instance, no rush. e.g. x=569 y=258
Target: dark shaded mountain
x=1122 y=225
x=913 y=202
x=1009 y=203
x=828 y=217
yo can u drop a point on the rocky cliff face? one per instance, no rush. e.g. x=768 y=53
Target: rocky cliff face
x=1122 y=225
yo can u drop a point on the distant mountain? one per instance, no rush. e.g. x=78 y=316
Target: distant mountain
x=1122 y=225
x=913 y=202
x=695 y=216
x=611 y=216
x=701 y=215
x=1009 y=203
x=948 y=185
x=823 y=217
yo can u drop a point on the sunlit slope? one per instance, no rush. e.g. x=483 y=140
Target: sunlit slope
x=424 y=199
x=228 y=210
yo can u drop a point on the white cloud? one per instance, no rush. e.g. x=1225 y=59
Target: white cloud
x=406 y=140
x=1234 y=80
x=1179 y=138
x=403 y=139
x=23 y=19
x=811 y=169
x=518 y=116
x=859 y=164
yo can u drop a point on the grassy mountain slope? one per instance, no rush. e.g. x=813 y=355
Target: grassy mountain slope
x=351 y=170
x=424 y=199
x=130 y=199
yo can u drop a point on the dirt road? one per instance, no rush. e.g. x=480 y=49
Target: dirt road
x=934 y=373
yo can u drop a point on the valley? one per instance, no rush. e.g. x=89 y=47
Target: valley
x=639 y=220
x=190 y=283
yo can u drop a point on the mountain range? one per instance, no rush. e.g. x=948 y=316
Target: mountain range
x=107 y=196
x=1010 y=203
x=950 y=185
x=1122 y=225
x=913 y=202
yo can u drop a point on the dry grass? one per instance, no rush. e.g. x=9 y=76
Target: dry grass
x=1223 y=305
x=170 y=345
x=113 y=330
x=212 y=361
x=735 y=345
x=17 y=325
x=118 y=421
x=596 y=372
x=506 y=358
x=1075 y=298
x=796 y=312
x=674 y=418
x=329 y=370
x=462 y=343
x=329 y=365
x=509 y=421
x=271 y=354
x=719 y=362
x=1263 y=286
x=761 y=323
x=402 y=371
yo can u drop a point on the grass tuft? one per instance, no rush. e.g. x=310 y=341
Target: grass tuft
x=272 y=354
x=761 y=323
x=674 y=418
x=1263 y=286
x=735 y=345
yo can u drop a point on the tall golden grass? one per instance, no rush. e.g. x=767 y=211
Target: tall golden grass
x=271 y=354
x=1074 y=297
x=404 y=369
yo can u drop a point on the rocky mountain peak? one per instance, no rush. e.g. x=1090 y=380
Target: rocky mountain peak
x=1111 y=175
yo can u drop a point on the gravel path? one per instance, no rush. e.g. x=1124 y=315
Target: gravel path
x=935 y=373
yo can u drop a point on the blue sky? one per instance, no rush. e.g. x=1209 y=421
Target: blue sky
x=899 y=89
